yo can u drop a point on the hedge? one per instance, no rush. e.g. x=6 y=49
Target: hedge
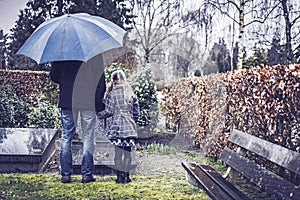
x=260 y=101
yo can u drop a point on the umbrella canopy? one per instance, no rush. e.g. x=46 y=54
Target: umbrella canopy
x=72 y=37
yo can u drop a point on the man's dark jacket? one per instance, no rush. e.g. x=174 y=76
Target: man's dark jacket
x=81 y=85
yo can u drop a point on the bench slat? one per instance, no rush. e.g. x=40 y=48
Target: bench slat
x=271 y=183
x=223 y=183
x=213 y=183
x=280 y=155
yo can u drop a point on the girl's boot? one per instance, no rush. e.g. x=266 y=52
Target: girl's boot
x=127 y=163
x=120 y=177
x=120 y=174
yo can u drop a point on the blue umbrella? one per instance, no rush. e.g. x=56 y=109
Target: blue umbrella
x=72 y=37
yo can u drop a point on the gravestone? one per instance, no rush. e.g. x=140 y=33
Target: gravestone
x=25 y=150
x=103 y=155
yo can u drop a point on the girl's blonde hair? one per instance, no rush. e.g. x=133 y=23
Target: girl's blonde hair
x=118 y=77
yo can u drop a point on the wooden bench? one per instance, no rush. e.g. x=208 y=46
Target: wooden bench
x=218 y=187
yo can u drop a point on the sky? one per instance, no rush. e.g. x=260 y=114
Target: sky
x=9 y=11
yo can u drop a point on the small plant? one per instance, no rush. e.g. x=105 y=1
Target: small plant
x=160 y=149
x=44 y=115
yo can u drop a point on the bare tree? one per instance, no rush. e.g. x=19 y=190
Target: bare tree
x=188 y=54
x=154 y=23
x=244 y=13
x=284 y=21
x=199 y=20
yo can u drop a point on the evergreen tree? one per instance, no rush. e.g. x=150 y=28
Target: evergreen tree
x=220 y=54
x=259 y=58
x=276 y=54
x=113 y=10
x=144 y=87
x=35 y=13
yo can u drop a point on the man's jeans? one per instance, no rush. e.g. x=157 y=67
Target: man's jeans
x=88 y=122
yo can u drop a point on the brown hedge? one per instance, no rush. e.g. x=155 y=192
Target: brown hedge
x=260 y=101
x=28 y=85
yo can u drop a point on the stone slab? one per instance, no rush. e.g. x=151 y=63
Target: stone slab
x=25 y=150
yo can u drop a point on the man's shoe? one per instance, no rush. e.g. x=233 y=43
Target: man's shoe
x=88 y=180
x=65 y=179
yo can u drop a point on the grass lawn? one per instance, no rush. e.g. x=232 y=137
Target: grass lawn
x=164 y=185
x=160 y=186
x=48 y=186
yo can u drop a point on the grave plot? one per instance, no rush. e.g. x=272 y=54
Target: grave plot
x=25 y=150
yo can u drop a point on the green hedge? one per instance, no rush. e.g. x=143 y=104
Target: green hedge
x=28 y=99
x=40 y=95
x=13 y=110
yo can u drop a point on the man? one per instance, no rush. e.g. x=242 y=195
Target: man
x=81 y=90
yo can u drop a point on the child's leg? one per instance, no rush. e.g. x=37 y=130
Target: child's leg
x=127 y=164
x=119 y=164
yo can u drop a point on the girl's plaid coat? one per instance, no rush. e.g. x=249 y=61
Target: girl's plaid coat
x=123 y=115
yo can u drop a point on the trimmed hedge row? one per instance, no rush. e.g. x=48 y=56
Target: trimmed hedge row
x=28 y=99
x=36 y=89
x=260 y=101
x=29 y=85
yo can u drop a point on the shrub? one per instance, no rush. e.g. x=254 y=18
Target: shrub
x=13 y=110
x=29 y=85
x=44 y=115
x=144 y=87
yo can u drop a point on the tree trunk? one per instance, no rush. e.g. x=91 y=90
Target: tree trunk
x=288 y=27
x=241 y=35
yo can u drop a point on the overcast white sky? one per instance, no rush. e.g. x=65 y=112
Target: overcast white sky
x=9 y=11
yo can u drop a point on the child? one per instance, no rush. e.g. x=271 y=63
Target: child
x=122 y=105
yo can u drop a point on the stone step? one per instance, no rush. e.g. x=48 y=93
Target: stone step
x=103 y=157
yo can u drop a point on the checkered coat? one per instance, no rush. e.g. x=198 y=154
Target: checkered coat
x=124 y=116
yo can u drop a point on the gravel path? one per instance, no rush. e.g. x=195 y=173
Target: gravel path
x=147 y=163
x=155 y=164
